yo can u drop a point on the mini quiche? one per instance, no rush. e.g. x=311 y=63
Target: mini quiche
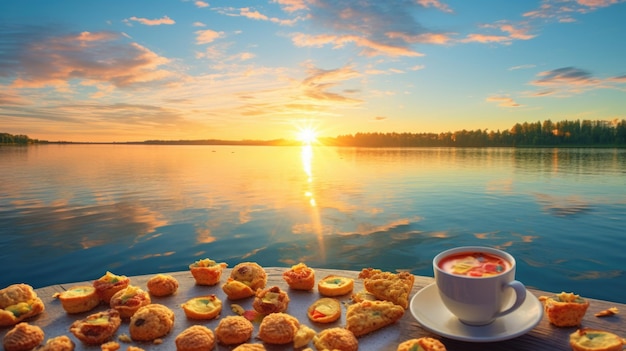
x=203 y=307
x=78 y=299
x=97 y=328
x=300 y=277
x=127 y=301
x=17 y=303
x=270 y=300
x=324 y=310
x=421 y=344
x=587 y=339
x=207 y=271
x=333 y=285
x=107 y=285
x=565 y=309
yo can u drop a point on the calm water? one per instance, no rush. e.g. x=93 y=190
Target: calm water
x=70 y=212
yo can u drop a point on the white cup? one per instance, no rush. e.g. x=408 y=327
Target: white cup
x=479 y=300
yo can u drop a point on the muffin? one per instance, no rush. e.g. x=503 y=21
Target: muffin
x=233 y=330
x=300 y=277
x=278 y=328
x=195 y=338
x=324 y=310
x=333 y=285
x=97 y=328
x=151 y=322
x=78 y=299
x=339 y=339
x=202 y=307
x=595 y=340
x=58 y=343
x=23 y=337
x=565 y=309
x=423 y=344
x=270 y=300
x=107 y=285
x=17 y=303
x=162 y=285
x=128 y=300
x=207 y=271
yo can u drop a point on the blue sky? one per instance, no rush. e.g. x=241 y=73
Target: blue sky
x=138 y=70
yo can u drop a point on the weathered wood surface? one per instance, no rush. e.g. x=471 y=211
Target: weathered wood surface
x=54 y=321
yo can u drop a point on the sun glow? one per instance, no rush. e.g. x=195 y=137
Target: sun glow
x=307 y=136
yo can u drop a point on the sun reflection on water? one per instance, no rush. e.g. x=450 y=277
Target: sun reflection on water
x=316 y=223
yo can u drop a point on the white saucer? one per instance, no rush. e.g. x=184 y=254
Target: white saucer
x=427 y=307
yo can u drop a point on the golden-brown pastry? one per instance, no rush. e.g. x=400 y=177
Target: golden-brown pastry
x=278 y=328
x=421 y=344
x=195 y=338
x=58 y=343
x=23 y=337
x=162 y=285
x=128 y=300
x=324 y=310
x=78 y=299
x=300 y=277
x=207 y=271
x=151 y=322
x=203 y=307
x=565 y=309
x=270 y=300
x=595 y=340
x=250 y=347
x=303 y=336
x=233 y=330
x=394 y=287
x=97 y=328
x=339 y=339
x=110 y=346
x=367 y=316
x=236 y=290
x=17 y=303
x=333 y=285
x=107 y=285
x=251 y=274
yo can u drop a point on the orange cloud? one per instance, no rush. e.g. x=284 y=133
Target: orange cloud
x=370 y=47
x=436 y=4
x=207 y=36
x=152 y=22
x=503 y=101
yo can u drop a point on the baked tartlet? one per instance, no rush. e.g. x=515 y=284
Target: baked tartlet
x=207 y=271
x=565 y=309
x=422 y=344
x=278 y=328
x=339 y=339
x=270 y=300
x=128 y=300
x=324 y=310
x=17 y=303
x=595 y=340
x=203 y=307
x=23 y=337
x=244 y=280
x=234 y=330
x=334 y=285
x=300 y=277
x=151 y=322
x=162 y=285
x=195 y=338
x=78 y=299
x=58 y=343
x=97 y=328
x=107 y=285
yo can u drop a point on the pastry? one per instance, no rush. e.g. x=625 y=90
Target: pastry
x=110 y=346
x=162 y=285
x=250 y=347
x=151 y=322
x=97 y=328
x=394 y=287
x=245 y=278
x=195 y=338
x=367 y=316
x=23 y=337
x=421 y=344
x=107 y=285
x=233 y=330
x=270 y=300
x=565 y=309
x=303 y=336
x=17 y=303
x=207 y=271
x=278 y=328
x=300 y=277
x=595 y=340
x=236 y=290
x=78 y=299
x=128 y=300
x=202 y=307
x=333 y=285
x=339 y=339
x=58 y=343
x=324 y=310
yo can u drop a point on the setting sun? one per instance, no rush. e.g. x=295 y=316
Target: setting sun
x=307 y=136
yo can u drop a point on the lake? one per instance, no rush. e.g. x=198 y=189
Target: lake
x=69 y=213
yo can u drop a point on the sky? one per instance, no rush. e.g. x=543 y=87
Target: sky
x=117 y=70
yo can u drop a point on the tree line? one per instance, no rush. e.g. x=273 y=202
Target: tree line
x=10 y=139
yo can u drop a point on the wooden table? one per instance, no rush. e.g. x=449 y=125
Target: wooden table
x=54 y=321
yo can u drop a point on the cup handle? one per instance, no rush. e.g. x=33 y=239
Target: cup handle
x=520 y=296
